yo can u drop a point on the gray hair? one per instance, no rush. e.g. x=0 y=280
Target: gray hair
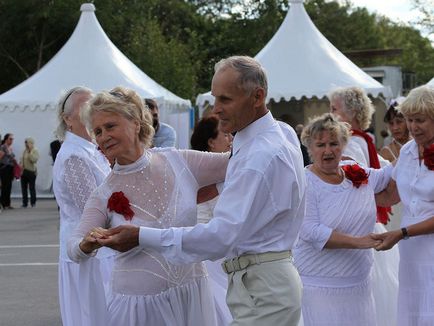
x=326 y=122
x=252 y=74
x=125 y=102
x=419 y=100
x=66 y=106
x=356 y=103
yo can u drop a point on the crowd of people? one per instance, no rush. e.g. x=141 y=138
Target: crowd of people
x=256 y=224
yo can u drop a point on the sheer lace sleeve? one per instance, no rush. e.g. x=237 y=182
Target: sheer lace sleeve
x=207 y=168
x=94 y=215
x=79 y=179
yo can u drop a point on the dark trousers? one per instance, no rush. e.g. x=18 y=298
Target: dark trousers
x=6 y=177
x=28 y=179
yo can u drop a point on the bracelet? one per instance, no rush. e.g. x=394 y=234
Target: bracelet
x=405 y=235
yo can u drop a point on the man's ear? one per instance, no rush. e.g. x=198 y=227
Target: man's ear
x=259 y=94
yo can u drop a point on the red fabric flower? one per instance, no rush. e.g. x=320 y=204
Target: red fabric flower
x=121 y=205
x=355 y=174
x=428 y=157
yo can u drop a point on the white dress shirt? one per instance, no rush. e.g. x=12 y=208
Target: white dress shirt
x=260 y=209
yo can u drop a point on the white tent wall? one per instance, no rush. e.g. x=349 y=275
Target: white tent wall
x=38 y=123
x=88 y=59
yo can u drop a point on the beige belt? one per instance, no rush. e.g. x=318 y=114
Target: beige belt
x=242 y=262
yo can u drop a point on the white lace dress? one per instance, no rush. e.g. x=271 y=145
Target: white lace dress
x=218 y=279
x=78 y=170
x=161 y=187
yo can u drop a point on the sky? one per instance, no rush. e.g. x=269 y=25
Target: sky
x=396 y=10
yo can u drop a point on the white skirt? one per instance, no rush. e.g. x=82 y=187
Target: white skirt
x=185 y=305
x=327 y=306
x=218 y=281
x=416 y=281
x=82 y=291
x=385 y=282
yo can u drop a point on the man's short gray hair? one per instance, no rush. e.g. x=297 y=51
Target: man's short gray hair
x=252 y=74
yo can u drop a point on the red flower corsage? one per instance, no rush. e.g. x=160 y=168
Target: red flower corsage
x=121 y=205
x=355 y=174
x=428 y=157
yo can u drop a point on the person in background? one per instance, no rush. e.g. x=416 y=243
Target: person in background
x=352 y=105
x=79 y=168
x=28 y=178
x=413 y=184
x=7 y=164
x=54 y=149
x=400 y=134
x=299 y=130
x=165 y=135
x=332 y=254
x=207 y=137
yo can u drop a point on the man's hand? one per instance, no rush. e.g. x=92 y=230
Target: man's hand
x=121 y=238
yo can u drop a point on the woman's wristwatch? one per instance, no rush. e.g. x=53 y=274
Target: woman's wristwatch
x=405 y=235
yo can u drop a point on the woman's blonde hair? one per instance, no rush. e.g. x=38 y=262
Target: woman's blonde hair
x=326 y=122
x=419 y=100
x=125 y=102
x=356 y=103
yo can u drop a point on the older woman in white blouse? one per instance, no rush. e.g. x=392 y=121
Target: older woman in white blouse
x=414 y=183
x=79 y=168
x=333 y=255
x=147 y=187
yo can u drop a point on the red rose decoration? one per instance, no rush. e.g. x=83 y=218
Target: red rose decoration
x=121 y=205
x=428 y=157
x=355 y=174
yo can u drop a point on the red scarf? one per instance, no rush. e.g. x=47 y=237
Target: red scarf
x=382 y=212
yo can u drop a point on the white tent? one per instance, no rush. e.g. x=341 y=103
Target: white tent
x=431 y=82
x=90 y=59
x=301 y=62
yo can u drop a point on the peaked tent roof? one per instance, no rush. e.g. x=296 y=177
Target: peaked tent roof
x=431 y=82
x=300 y=61
x=90 y=59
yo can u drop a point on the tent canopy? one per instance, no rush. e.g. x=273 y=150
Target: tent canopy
x=88 y=59
x=431 y=82
x=301 y=62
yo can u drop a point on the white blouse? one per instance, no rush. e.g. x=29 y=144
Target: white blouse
x=415 y=185
x=343 y=208
x=79 y=168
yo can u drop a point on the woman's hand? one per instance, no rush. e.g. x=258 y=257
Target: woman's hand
x=89 y=242
x=366 y=242
x=388 y=239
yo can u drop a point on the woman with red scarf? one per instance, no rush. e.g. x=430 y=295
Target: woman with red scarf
x=353 y=106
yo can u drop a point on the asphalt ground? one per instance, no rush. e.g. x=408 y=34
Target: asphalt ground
x=29 y=250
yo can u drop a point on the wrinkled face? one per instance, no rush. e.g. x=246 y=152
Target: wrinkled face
x=337 y=108
x=234 y=108
x=222 y=143
x=421 y=128
x=326 y=151
x=115 y=135
x=73 y=121
x=398 y=128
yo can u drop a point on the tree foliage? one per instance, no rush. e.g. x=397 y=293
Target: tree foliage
x=177 y=42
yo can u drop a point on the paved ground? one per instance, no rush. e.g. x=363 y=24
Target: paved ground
x=28 y=265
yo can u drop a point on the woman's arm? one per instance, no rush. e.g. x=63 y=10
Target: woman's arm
x=388 y=196
x=339 y=240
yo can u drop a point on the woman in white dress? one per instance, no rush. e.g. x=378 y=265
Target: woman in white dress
x=413 y=182
x=353 y=106
x=79 y=168
x=207 y=137
x=333 y=255
x=400 y=136
x=147 y=187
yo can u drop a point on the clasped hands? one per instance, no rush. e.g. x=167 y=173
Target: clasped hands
x=121 y=238
x=381 y=241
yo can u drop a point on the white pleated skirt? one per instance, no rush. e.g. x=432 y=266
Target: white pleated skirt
x=185 y=305
x=327 y=306
x=385 y=282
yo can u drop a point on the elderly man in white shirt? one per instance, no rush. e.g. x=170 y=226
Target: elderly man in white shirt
x=258 y=214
